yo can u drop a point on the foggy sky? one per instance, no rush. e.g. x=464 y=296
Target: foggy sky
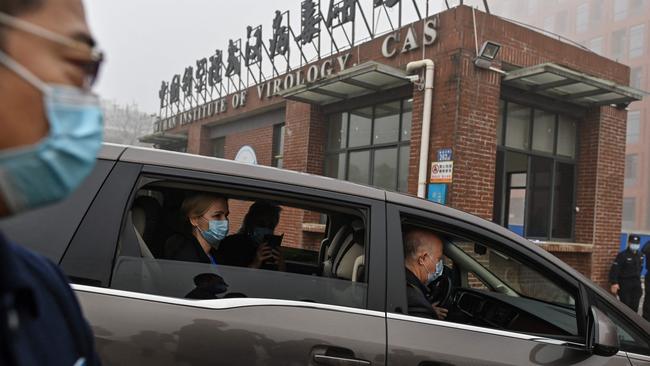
x=147 y=41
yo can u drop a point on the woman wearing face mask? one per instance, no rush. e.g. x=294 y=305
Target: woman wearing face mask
x=249 y=247
x=207 y=225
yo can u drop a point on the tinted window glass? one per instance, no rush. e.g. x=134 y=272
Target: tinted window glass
x=385 y=170
x=360 y=126
x=540 y=195
x=162 y=251
x=518 y=129
x=62 y=218
x=386 y=127
x=492 y=286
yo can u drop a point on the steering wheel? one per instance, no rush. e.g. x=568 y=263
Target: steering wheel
x=443 y=286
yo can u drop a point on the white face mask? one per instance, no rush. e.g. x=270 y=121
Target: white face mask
x=432 y=276
x=635 y=247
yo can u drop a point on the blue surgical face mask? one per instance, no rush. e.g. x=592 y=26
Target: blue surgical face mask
x=259 y=233
x=51 y=169
x=217 y=230
x=432 y=276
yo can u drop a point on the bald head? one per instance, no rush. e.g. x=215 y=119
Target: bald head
x=422 y=250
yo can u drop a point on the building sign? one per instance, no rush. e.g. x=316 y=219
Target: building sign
x=437 y=192
x=442 y=171
x=444 y=154
x=213 y=85
x=246 y=155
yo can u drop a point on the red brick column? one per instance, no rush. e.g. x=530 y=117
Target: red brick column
x=465 y=112
x=304 y=151
x=197 y=140
x=600 y=169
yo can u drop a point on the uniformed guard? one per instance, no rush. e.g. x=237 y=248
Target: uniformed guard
x=625 y=274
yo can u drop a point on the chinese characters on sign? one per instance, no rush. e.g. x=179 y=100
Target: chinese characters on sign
x=203 y=84
x=442 y=171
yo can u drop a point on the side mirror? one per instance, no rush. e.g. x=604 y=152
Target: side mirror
x=603 y=335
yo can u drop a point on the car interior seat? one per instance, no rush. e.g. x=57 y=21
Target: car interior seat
x=345 y=254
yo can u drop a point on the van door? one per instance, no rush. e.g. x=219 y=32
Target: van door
x=505 y=306
x=304 y=316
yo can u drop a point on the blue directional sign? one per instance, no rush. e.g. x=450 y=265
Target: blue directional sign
x=437 y=192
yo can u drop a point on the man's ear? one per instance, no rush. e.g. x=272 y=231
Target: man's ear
x=194 y=221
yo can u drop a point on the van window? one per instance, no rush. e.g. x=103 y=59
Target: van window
x=485 y=285
x=275 y=247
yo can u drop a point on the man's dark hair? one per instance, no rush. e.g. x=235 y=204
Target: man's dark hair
x=14 y=8
x=261 y=213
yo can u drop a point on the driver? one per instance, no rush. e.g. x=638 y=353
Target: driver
x=423 y=262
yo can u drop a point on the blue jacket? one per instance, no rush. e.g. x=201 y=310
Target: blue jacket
x=40 y=319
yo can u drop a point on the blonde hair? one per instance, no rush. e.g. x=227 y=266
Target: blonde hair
x=198 y=204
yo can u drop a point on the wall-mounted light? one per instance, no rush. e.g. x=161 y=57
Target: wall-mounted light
x=486 y=55
x=489 y=50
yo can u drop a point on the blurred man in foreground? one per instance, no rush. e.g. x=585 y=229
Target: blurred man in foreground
x=51 y=130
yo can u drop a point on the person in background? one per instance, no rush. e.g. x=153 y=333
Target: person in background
x=51 y=131
x=625 y=274
x=206 y=225
x=646 y=299
x=249 y=247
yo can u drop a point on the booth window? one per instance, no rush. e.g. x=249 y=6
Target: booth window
x=535 y=172
x=219 y=147
x=278 y=145
x=371 y=145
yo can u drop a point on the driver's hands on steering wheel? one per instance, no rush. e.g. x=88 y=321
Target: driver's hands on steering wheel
x=440 y=311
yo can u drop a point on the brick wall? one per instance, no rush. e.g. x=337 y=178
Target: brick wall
x=465 y=110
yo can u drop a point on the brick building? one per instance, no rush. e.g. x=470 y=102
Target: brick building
x=537 y=141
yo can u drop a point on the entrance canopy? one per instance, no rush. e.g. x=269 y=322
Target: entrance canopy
x=165 y=139
x=367 y=78
x=566 y=85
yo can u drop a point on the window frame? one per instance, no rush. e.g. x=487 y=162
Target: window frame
x=277 y=150
x=371 y=147
x=396 y=296
x=375 y=249
x=530 y=153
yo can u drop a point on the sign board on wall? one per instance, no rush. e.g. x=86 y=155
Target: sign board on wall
x=246 y=155
x=437 y=192
x=444 y=154
x=442 y=171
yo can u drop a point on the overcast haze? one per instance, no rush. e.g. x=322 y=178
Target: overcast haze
x=147 y=41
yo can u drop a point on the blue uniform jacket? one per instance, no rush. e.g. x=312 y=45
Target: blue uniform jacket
x=40 y=319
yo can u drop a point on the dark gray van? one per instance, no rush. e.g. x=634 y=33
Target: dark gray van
x=341 y=300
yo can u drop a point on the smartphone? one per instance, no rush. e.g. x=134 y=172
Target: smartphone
x=274 y=241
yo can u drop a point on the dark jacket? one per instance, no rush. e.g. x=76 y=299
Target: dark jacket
x=417 y=297
x=187 y=249
x=626 y=267
x=237 y=250
x=40 y=319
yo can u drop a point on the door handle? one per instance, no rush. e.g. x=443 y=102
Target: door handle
x=339 y=361
x=336 y=356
